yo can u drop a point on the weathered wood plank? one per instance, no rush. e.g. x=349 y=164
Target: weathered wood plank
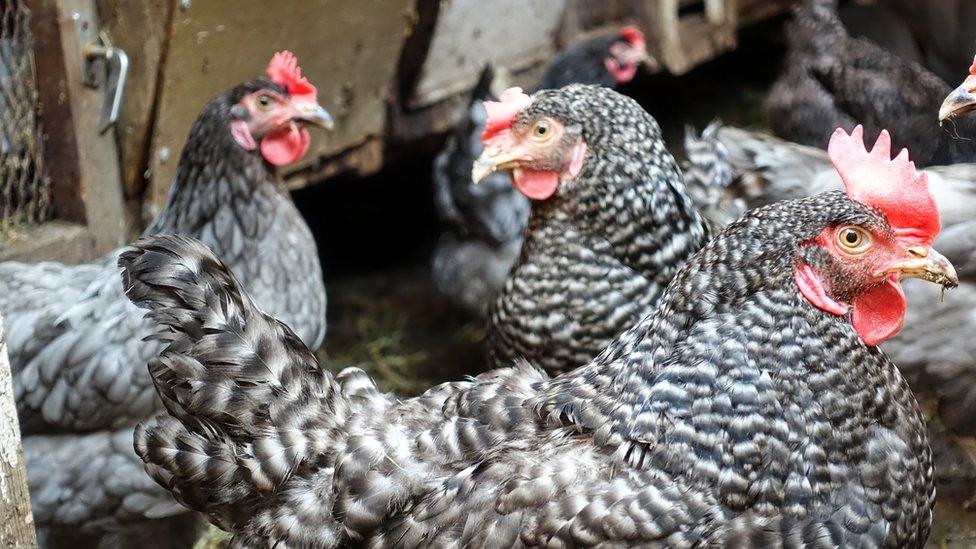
x=83 y=164
x=348 y=48
x=16 y=521
x=51 y=241
x=141 y=29
x=98 y=161
x=683 y=40
x=510 y=34
x=61 y=151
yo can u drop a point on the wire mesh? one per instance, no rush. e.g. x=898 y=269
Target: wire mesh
x=25 y=190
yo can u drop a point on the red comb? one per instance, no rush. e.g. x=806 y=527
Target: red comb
x=972 y=68
x=283 y=70
x=633 y=35
x=503 y=112
x=892 y=186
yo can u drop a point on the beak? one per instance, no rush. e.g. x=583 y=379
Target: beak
x=959 y=102
x=927 y=264
x=311 y=112
x=641 y=57
x=492 y=159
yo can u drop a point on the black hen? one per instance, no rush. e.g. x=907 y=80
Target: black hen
x=610 y=223
x=832 y=80
x=76 y=342
x=486 y=220
x=746 y=412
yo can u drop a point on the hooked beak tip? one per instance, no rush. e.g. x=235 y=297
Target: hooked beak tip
x=317 y=115
x=958 y=103
x=480 y=170
x=932 y=267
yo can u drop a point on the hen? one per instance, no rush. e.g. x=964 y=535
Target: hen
x=486 y=221
x=609 y=227
x=832 y=80
x=748 y=411
x=76 y=342
x=936 y=353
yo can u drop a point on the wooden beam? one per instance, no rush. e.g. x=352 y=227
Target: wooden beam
x=83 y=164
x=60 y=149
x=141 y=29
x=16 y=520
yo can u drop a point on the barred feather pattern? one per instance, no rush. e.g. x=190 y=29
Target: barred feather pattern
x=486 y=221
x=934 y=349
x=738 y=414
x=598 y=253
x=76 y=343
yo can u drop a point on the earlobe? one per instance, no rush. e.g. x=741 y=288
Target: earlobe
x=576 y=159
x=242 y=135
x=813 y=290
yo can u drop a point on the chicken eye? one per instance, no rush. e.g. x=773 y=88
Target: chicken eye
x=853 y=240
x=265 y=101
x=542 y=130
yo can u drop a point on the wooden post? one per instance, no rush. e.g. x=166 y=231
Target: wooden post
x=16 y=521
x=82 y=163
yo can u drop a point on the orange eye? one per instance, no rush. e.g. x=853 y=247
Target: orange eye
x=853 y=240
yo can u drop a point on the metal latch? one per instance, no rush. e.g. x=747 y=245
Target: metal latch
x=102 y=58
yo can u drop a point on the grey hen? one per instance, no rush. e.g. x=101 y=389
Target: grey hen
x=745 y=412
x=486 y=221
x=936 y=349
x=610 y=222
x=76 y=342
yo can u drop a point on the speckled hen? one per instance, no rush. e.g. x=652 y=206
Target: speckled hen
x=76 y=343
x=486 y=220
x=935 y=351
x=748 y=411
x=610 y=223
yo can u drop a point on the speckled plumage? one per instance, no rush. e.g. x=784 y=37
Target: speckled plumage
x=832 y=80
x=598 y=253
x=76 y=343
x=935 y=349
x=486 y=220
x=737 y=415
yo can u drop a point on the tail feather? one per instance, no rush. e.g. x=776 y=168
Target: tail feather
x=770 y=169
x=730 y=170
x=249 y=403
x=708 y=176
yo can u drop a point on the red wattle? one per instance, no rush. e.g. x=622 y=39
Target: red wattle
x=285 y=146
x=622 y=74
x=534 y=184
x=880 y=313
